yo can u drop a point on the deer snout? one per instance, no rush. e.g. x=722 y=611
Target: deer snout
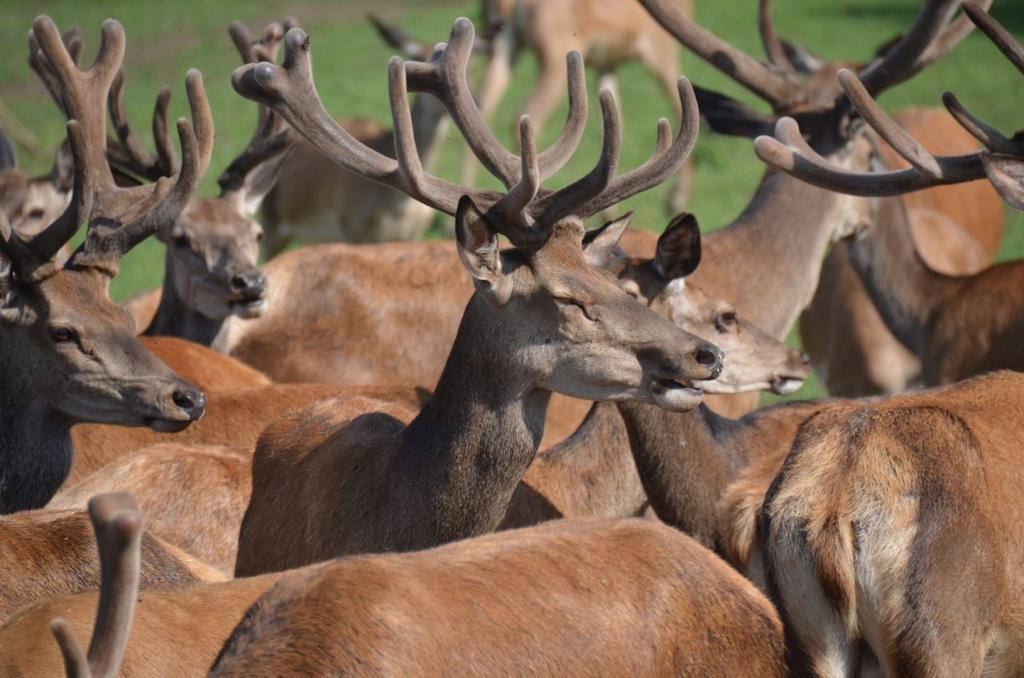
x=183 y=404
x=709 y=358
x=249 y=285
x=190 y=401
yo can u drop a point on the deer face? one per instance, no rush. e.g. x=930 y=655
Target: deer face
x=30 y=204
x=756 y=362
x=572 y=329
x=79 y=348
x=214 y=247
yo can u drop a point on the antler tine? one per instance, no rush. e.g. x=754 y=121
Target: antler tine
x=568 y=200
x=776 y=86
x=894 y=135
x=956 y=31
x=663 y=163
x=995 y=32
x=73 y=42
x=558 y=154
x=84 y=93
x=989 y=136
x=513 y=205
x=904 y=59
x=141 y=161
x=773 y=48
x=789 y=153
x=289 y=90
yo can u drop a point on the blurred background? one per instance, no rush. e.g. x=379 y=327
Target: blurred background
x=165 y=39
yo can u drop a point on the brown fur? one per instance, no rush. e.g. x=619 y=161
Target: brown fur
x=51 y=553
x=208 y=370
x=635 y=599
x=193 y=496
x=234 y=418
x=848 y=340
x=451 y=472
x=696 y=611
x=892 y=531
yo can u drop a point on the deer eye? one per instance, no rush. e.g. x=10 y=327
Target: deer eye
x=62 y=335
x=575 y=303
x=725 y=321
x=259 y=236
x=181 y=241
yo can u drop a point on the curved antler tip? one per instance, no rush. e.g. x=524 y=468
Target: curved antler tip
x=846 y=74
x=296 y=39
x=769 y=150
x=461 y=25
x=193 y=77
x=574 y=58
x=108 y=506
x=43 y=22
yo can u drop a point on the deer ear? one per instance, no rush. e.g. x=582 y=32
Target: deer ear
x=11 y=308
x=1007 y=176
x=259 y=182
x=478 y=247
x=399 y=39
x=678 y=252
x=601 y=245
x=728 y=116
x=8 y=159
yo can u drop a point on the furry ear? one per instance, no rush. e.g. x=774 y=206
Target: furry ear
x=1006 y=173
x=399 y=39
x=728 y=116
x=601 y=244
x=478 y=247
x=8 y=159
x=678 y=252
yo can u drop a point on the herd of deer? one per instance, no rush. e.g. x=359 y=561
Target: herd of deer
x=332 y=450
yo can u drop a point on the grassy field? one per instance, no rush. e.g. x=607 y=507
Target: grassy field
x=167 y=38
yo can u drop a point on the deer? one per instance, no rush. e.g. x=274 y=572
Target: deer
x=782 y=248
x=70 y=354
x=212 y=273
x=455 y=465
x=321 y=202
x=956 y=326
x=50 y=553
x=32 y=203
x=185 y=630
x=875 y=502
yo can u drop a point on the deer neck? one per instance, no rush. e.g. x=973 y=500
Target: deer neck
x=685 y=462
x=175 y=317
x=781 y=238
x=466 y=452
x=35 y=442
x=904 y=290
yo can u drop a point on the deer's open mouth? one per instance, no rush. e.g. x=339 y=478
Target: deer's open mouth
x=786 y=384
x=249 y=308
x=675 y=395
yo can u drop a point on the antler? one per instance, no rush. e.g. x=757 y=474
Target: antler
x=128 y=153
x=930 y=37
x=121 y=217
x=527 y=211
x=789 y=152
x=272 y=136
x=29 y=257
x=775 y=84
x=118 y=527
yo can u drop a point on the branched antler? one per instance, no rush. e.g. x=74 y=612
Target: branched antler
x=527 y=211
x=118 y=528
x=788 y=152
x=121 y=217
x=272 y=137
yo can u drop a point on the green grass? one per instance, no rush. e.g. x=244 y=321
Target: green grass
x=167 y=38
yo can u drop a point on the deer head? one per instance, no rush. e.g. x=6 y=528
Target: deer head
x=757 y=361
x=561 y=323
x=62 y=333
x=213 y=244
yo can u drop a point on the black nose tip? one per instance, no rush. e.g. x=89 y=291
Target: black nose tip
x=705 y=357
x=193 y=403
x=249 y=286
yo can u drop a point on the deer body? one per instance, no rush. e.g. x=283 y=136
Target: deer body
x=628 y=561
x=52 y=553
x=878 y=496
x=234 y=418
x=955 y=229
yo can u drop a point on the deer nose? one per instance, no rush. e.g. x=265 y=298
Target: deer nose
x=710 y=357
x=190 y=401
x=250 y=285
